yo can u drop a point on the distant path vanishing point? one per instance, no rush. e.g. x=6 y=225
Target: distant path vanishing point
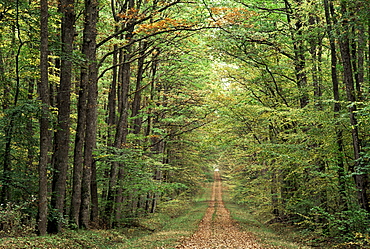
x=217 y=229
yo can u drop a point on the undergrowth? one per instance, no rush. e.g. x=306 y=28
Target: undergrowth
x=301 y=235
x=68 y=240
x=175 y=220
x=277 y=235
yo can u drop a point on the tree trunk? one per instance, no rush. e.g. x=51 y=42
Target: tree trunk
x=79 y=147
x=358 y=61
x=89 y=50
x=31 y=152
x=116 y=171
x=3 y=78
x=348 y=77
x=112 y=98
x=45 y=134
x=94 y=196
x=336 y=107
x=154 y=67
x=61 y=143
x=315 y=45
x=122 y=127
x=8 y=130
x=111 y=106
x=299 y=50
x=136 y=103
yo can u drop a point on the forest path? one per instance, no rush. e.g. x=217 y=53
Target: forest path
x=217 y=229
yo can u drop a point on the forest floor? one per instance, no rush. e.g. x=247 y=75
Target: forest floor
x=218 y=229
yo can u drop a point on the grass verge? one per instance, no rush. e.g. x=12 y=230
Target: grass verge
x=177 y=223
x=275 y=235
x=67 y=240
x=174 y=221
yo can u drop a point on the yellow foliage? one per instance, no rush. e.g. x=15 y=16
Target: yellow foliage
x=161 y=25
x=231 y=16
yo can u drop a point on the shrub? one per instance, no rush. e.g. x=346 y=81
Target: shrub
x=15 y=219
x=348 y=226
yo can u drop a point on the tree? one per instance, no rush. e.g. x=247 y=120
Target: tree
x=337 y=106
x=348 y=78
x=89 y=50
x=45 y=134
x=62 y=135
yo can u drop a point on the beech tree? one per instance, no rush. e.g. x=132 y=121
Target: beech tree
x=62 y=135
x=45 y=134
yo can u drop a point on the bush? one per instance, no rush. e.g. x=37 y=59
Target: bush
x=15 y=219
x=349 y=226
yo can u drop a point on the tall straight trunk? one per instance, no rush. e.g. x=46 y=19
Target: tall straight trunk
x=136 y=103
x=3 y=79
x=300 y=66
x=94 y=195
x=61 y=143
x=114 y=195
x=78 y=155
x=275 y=189
x=136 y=127
x=89 y=50
x=79 y=148
x=108 y=211
x=368 y=50
x=45 y=134
x=121 y=60
x=112 y=98
x=9 y=130
x=30 y=128
x=111 y=109
x=337 y=107
x=299 y=56
x=154 y=67
x=348 y=77
x=359 y=61
x=122 y=128
x=315 y=50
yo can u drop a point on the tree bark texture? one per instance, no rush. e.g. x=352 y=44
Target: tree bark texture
x=136 y=104
x=336 y=107
x=348 y=77
x=89 y=50
x=45 y=133
x=62 y=136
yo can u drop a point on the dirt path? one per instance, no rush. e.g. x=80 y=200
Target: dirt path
x=217 y=229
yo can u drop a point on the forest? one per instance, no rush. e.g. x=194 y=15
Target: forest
x=111 y=109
